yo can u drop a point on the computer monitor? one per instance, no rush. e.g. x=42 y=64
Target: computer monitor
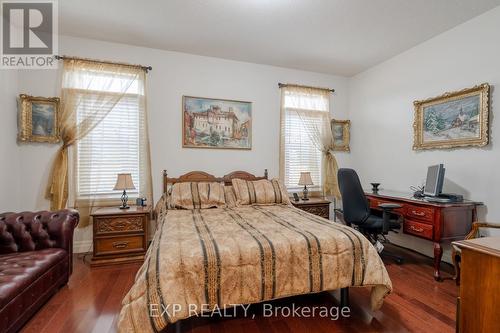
x=434 y=182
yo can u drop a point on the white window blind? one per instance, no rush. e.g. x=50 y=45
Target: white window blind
x=300 y=153
x=116 y=145
x=112 y=147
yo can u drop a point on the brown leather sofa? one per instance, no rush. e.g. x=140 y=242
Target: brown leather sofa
x=36 y=250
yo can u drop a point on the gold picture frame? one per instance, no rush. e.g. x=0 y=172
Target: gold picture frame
x=341 y=134
x=38 y=119
x=452 y=120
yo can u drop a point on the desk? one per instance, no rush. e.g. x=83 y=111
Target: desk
x=436 y=222
x=479 y=304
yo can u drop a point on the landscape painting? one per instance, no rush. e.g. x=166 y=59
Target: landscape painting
x=216 y=123
x=452 y=120
x=43 y=119
x=38 y=119
x=341 y=134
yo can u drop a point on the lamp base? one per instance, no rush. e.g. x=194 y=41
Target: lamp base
x=305 y=191
x=124 y=199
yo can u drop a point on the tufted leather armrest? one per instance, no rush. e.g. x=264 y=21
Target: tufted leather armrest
x=31 y=231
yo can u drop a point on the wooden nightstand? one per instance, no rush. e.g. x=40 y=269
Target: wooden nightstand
x=315 y=205
x=120 y=235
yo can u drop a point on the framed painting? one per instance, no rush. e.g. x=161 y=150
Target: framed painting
x=456 y=119
x=38 y=119
x=216 y=123
x=341 y=134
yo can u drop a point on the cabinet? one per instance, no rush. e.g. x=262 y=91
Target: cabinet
x=315 y=205
x=120 y=235
x=479 y=302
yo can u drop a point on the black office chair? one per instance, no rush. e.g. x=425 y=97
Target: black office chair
x=356 y=211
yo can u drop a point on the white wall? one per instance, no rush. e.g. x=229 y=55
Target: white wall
x=173 y=75
x=378 y=101
x=381 y=110
x=9 y=164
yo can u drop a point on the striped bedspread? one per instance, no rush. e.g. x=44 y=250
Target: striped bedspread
x=203 y=259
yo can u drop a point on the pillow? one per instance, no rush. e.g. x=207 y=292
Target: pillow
x=260 y=192
x=191 y=195
x=230 y=196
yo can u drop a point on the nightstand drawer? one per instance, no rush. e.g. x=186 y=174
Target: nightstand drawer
x=315 y=205
x=119 y=224
x=323 y=211
x=116 y=245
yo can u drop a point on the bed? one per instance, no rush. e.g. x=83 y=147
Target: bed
x=206 y=259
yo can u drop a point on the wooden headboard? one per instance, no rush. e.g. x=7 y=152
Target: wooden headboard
x=200 y=176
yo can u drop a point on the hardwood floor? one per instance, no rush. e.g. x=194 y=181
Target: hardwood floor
x=91 y=303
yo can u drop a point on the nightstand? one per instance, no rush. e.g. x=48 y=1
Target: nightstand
x=120 y=235
x=315 y=205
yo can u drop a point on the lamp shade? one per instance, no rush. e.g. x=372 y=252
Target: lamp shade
x=124 y=182
x=305 y=179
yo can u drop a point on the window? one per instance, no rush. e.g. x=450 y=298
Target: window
x=115 y=145
x=300 y=154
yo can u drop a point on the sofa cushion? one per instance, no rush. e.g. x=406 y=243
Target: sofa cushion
x=19 y=270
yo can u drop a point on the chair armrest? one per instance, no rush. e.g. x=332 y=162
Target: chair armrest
x=475 y=228
x=386 y=209
x=388 y=206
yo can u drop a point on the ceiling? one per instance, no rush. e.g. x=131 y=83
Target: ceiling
x=342 y=37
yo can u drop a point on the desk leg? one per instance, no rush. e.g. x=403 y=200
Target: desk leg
x=438 y=254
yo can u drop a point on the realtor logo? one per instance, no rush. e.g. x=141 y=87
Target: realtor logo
x=29 y=34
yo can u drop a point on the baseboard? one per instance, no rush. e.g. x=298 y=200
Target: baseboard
x=82 y=246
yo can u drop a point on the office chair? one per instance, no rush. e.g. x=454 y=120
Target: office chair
x=357 y=211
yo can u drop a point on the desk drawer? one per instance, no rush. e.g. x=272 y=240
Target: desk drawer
x=418 y=229
x=117 y=245
x=374 y=203
x=420 y=213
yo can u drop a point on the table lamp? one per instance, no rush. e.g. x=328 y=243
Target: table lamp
x=124 y=182
x=305 y=179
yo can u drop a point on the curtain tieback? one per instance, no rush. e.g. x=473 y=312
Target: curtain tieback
x=67 y=144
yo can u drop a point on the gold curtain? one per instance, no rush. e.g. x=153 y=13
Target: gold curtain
x=89 y=92
x=311 y=105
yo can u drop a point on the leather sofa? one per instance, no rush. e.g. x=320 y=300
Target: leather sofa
x=36 y=250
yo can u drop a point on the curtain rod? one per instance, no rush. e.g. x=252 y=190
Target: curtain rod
x=282 y=85
x=145 y=68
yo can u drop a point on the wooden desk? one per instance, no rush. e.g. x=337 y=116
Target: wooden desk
x=436 y=222
x=479 y=302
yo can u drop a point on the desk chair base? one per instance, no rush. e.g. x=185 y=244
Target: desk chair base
x=384 y=253
x=398 y=259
